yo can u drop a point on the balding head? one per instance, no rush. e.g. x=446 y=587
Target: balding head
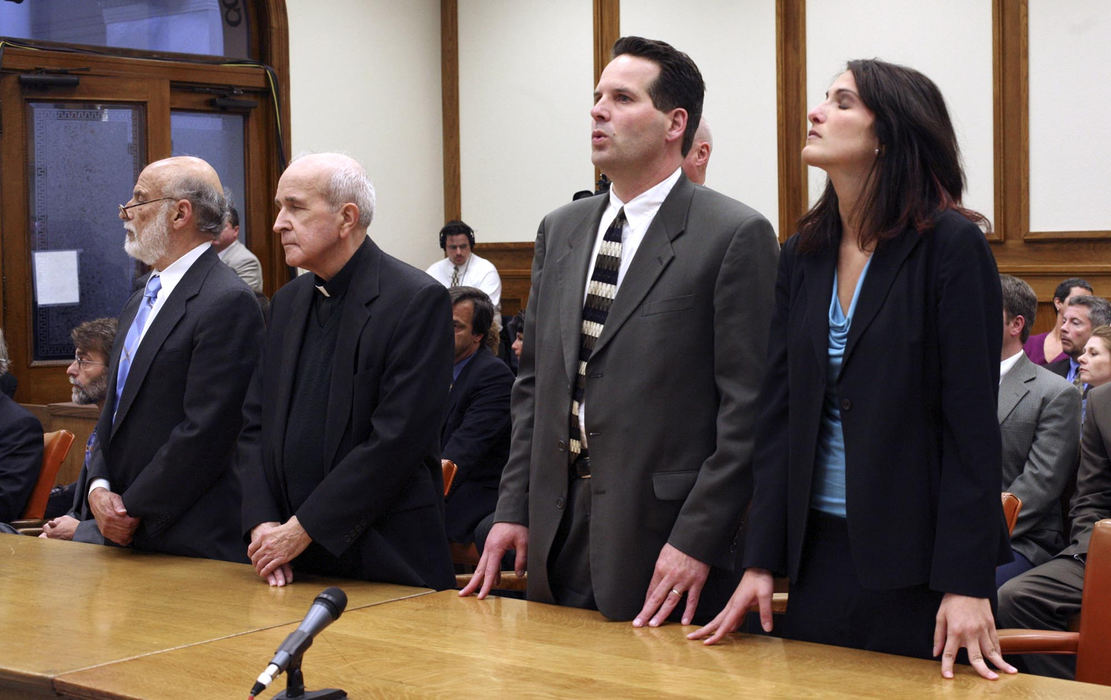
x=181 y=205
x=326 y=203
x=698 y=158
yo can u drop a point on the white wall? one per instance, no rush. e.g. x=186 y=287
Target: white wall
x=365 y=80
x=526 y=77
x=1070 y=101
x=948 y=40
x=733 y=44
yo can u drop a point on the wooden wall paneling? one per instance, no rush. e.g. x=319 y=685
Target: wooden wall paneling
x=1042 y=258
x=607 y=30
x=449 y=89
x=514 y=264
x=790 y=60
x=273 y=50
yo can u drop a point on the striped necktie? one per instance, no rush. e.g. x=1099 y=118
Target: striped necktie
x=135 y=333
x=599 y=298
x=455 y=276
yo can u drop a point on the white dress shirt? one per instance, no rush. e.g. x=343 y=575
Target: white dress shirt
x=476 y=272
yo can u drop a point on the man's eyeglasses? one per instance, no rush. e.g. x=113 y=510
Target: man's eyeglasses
x=82 y=363
x=123 y=209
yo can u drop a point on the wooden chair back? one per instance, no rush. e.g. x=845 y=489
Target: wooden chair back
x=449 y=474
x=55 y=448
x=1012 y=504
x=1094 y=644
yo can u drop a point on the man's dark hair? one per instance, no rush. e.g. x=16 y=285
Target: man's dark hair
x=1099 y=309
x=1063 y=289
x=679 y=84
x=483 y=316
x=1019 y=300
x=233 y=217
x=455 y=227
x=95 y=336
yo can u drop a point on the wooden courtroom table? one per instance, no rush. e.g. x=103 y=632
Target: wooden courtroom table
x=66 y=606
x=442 y=646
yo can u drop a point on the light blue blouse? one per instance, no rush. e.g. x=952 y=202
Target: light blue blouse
x=828 y=495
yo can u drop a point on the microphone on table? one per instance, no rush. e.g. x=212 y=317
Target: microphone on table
x=325 y=610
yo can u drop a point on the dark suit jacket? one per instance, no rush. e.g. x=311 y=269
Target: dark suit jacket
x=380 y=508
x=1060 y=367
x=476 y=438
x=169 y=452
x=1092 y=500
x=20 y=457
x=917 y=396
x=1039 y=419
x=670 y=394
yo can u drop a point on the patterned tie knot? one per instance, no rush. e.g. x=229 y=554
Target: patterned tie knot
x=154 y=285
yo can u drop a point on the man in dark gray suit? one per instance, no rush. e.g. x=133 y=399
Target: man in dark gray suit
x=1048 y=596
x=646 y=328
x=1039 y=420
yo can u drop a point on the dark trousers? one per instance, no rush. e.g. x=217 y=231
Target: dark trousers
x=1044 y=598
x=569 y=560
x=829 y=605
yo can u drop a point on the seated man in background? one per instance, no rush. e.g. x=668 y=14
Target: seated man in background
x=1082 y=314
x=236 y=255
x=340 y=450
x=476 y=432
x=1039 y=419
x=20 y=457
x=461 y=267
x=1048 y=596
x=88 y=374
x=160 y=474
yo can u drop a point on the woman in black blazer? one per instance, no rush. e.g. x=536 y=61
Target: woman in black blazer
x=877 y=470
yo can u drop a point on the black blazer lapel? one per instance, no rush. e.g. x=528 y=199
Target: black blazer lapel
x=817 y=285
x=571 y=267
x=356 y=314
x=651 y=259
x=882 y=271
x=173 y=309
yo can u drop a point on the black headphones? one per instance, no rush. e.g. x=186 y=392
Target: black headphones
x=455 y=228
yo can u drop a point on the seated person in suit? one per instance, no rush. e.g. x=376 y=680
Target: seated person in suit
x=8 y=382
x=476 y=432
x=1082 y=314
x=161 y=472
x=20 y=457
x=1039 y=419
x=461 y=266
x=1048 y=596
x=88 y=374
x=1045 y=348
x=236 y=255
x=340 y=451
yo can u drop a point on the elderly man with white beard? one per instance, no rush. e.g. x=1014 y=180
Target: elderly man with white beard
x=160 y=474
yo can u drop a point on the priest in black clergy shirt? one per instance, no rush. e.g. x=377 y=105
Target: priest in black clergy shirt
x=340 y=452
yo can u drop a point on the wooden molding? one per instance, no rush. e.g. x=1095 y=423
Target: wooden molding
x=607 y=30
x=449 y=91
x=1011 y=120
x=790 y=65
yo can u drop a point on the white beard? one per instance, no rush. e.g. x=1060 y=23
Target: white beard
x=152 y=245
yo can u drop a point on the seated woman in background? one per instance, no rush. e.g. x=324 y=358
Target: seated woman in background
x=878 y=460
x=1095 y=363
x=1044 y=348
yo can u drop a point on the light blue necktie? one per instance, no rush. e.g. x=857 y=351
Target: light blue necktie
x=135 y=332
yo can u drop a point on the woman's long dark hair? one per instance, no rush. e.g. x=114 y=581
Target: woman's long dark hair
x=917 y=174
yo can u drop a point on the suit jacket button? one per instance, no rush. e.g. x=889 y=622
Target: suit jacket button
x=846 y=405
x=562 y=445
x=559 y=503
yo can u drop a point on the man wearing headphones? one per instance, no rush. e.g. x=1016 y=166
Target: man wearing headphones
x=461 y=267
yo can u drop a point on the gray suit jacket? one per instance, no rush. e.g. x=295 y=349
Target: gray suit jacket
x=1092 y=500
x=671 y=392
x=1039 y=420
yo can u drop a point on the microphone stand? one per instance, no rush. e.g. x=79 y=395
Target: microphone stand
x=295 y=685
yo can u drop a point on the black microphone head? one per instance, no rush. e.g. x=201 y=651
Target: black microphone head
x=334 y=599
